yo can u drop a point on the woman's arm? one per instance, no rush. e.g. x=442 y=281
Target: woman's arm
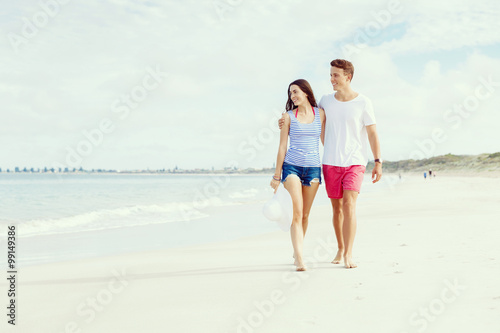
x=281 y=152
x=323 y=119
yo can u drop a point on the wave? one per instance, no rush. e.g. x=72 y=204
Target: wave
x=119 y=217
x=250 y=193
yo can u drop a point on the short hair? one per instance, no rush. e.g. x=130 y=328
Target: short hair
x=347 y=66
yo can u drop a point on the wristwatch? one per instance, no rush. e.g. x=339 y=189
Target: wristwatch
x=379 y=160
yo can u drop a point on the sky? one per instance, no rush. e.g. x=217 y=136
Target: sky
x=122 y=84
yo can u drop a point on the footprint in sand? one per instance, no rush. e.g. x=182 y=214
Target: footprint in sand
x=396 y=265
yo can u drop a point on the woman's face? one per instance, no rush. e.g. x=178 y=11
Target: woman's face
x=297 y=96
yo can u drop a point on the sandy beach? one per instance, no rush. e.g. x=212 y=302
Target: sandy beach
x=428 y=259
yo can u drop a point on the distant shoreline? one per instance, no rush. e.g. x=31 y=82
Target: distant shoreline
x=439 y=173
x=444 y=164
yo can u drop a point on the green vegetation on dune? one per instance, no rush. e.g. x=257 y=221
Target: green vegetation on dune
x=444 y=163
x=495 y=155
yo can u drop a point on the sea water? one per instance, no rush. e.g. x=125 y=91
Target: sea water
x=73 y=216
x=68 y=216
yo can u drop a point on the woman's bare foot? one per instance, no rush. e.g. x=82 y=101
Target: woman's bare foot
x=299 y=262
x=338 y=257
x=301 y=268
x=348 y=263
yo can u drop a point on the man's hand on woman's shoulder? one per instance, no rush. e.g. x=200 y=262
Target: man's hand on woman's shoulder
x=281 y=121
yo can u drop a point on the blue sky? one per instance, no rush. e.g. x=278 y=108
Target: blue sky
x=78 y=88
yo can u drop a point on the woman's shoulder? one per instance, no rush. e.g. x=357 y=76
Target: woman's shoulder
x=285 y=116
x=320 y=111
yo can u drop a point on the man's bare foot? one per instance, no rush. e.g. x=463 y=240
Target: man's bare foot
x=348 y=263
x=295 y=262
x=338 y=257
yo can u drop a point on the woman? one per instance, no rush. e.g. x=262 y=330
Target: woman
x=300 y=167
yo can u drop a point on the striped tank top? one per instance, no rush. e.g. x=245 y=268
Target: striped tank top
x=304 y=141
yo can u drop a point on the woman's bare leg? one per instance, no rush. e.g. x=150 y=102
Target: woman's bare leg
x=294 y=187
x=308 y=194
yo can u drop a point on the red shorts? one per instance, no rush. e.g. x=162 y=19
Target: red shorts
x=338 y=179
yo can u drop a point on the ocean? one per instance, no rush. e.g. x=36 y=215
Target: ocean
x=75 y=216
x=72 y=216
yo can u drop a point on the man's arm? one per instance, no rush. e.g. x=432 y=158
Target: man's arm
x=371 y=130
x=323 y=120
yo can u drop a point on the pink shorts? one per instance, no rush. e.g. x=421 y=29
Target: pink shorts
x=338 y=179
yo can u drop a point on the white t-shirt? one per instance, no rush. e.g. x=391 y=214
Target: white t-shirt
x=346 y=141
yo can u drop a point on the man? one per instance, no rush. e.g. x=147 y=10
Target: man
x=350 y=121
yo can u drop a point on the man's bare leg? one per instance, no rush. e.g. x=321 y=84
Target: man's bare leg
x=338 y=220
x=349 y=225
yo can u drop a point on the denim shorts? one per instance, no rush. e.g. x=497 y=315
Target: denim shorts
x=305 y=174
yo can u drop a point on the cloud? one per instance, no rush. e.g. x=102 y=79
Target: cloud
x=434 y=26
x=226 y=78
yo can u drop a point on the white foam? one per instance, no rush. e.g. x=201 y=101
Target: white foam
x=250 y=193
x=115 y=218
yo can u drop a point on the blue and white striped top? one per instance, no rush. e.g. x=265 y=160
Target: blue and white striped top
x=304 y=141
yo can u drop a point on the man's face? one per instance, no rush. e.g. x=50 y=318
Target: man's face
x=338 y=79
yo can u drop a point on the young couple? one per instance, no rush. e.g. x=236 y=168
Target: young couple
x=345 y=122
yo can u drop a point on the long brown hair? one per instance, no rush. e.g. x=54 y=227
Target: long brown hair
x=306 y=88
